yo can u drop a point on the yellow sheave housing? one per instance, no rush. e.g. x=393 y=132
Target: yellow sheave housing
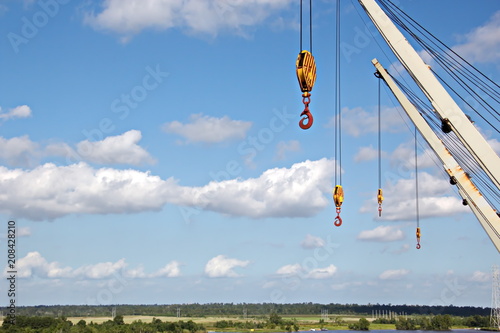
x=306 y=71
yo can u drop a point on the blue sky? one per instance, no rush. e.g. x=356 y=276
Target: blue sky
x=150 y=153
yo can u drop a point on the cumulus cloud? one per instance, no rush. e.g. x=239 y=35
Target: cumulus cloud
x=367 y=154
x=436 y=199
x=403 y=157
x=34 y=264
x=22 y=111
x=482 y=45
x=129 y=17
x=394 y=274
x=208 y=129
x=312 y=242
x=222 y=266
x=322 y=273
x=495 y=144
x=100 y=270
x=479 y=276
x=23 y=232
x=290 y=269
x=315 y=273
x=278 y=192
x=358 y=121
x=172 y=269
x=119 y=149
x=283 y=147
x=19 y=151
x=382 y=234
x=56 y=191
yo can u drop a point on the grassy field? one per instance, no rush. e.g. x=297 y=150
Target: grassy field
x=305 y=322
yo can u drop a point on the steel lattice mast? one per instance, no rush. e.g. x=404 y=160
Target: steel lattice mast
x=495 y=298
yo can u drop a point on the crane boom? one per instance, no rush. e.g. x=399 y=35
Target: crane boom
x=448 y=110
x=486 y=215
x=450 y=114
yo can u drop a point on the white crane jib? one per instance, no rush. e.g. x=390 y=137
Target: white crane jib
x=450 y=113
x=441 y=101
x=485 y=214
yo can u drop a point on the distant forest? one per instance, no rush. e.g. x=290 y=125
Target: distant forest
x=238 y=309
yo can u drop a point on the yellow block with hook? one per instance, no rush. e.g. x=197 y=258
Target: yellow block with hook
x=418 y=238
x=338 y=198
x=380 y=198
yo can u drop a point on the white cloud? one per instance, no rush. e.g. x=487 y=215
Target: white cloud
x=100 y=270
x=222 y=266
x=495 y=144
x=129 y=17
x=312 y=242
x=357 y=121
x=277 y=192
x=404 y=248
x=435 y=199
x=56 y=191
x=283 y=147
x=322 y=273
x=403 y=157
x=23 y=232
x=315 y=273
x=483 y=43
x=22 y=111
x=208 y=129
x=172 y=269
x=119 y=149
x=382 y=234
x=291 y=269
x=366 y=154
x=34 y=264
x=479 y=276
x=394 y=274
x=19 y=151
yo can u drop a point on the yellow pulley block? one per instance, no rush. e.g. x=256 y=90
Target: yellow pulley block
x=380 y=197
x=338 y=196
x=306 y=71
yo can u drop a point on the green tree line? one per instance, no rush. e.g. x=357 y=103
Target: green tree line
x=253 y=309
x=24 y=324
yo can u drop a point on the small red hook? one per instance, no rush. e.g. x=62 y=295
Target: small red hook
x=379 y=210
x=306 y=99
x=308 y=117
x=418 y=246
x=338 y=219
